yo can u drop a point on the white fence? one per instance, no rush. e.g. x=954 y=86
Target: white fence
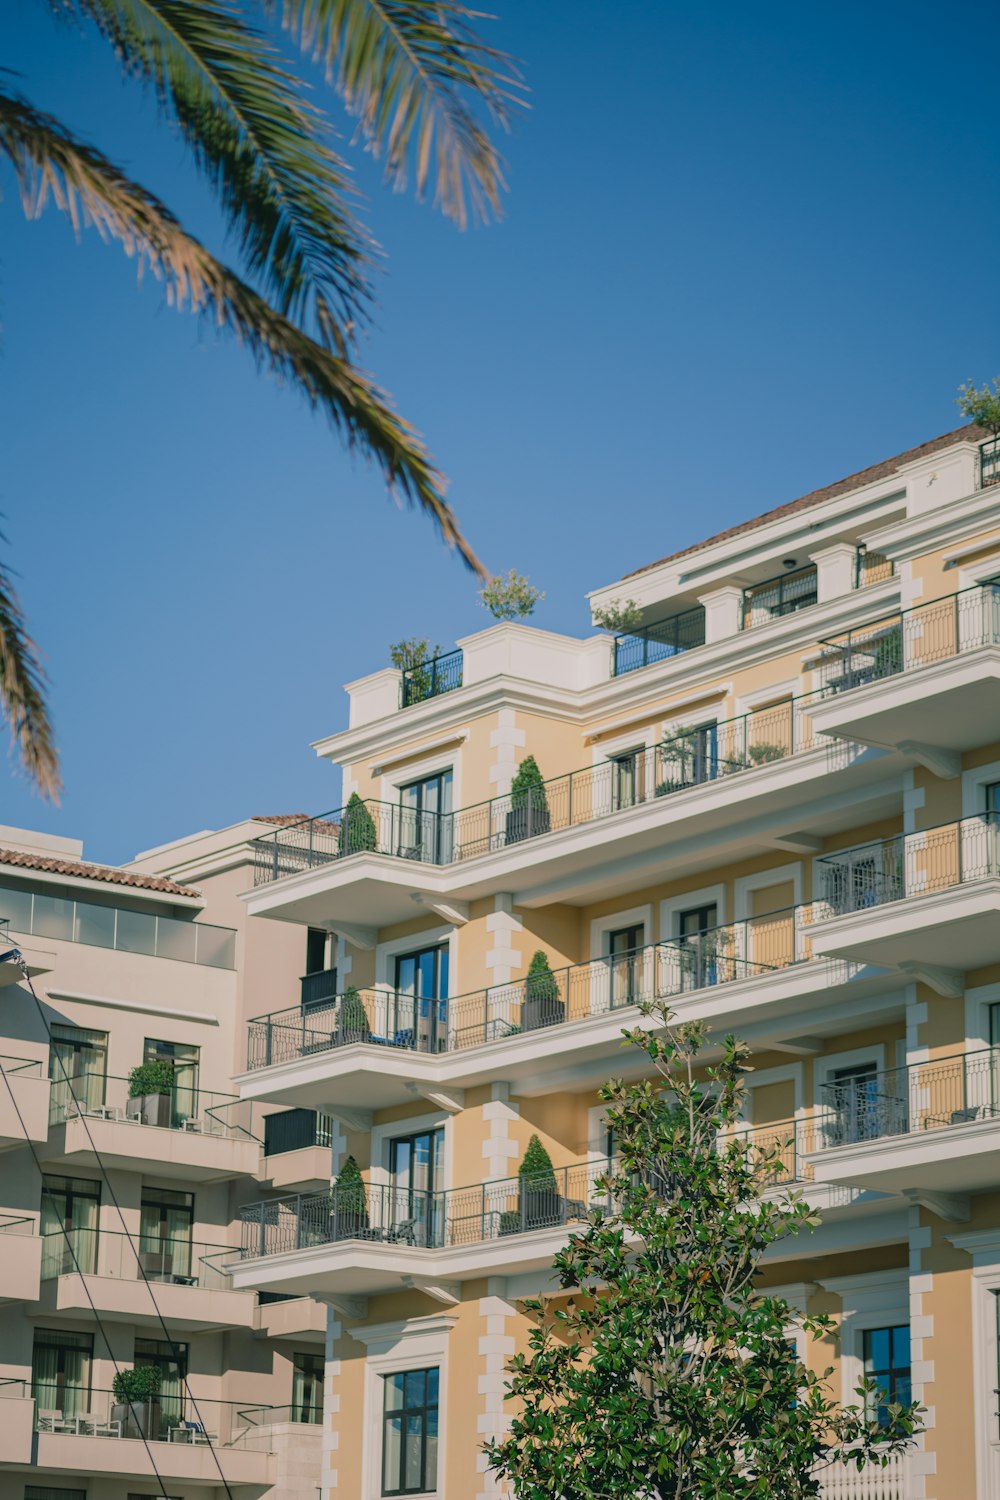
x=844 y=1482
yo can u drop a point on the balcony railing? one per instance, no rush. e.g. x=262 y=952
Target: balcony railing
x=193 y=1110
x=176 y=1261
x=441 y=674
x=18 y=1224
x=685 y=758
x=402 y=1216
x=907 y=639
x=989 y=462
x=922 y=1096
x=658 y=641
x=317 y=987
x=37 y=915
x=910 y=864
x=295 y=1130
x=739 y=950
x=776 y=597
x=872 y=567
x=80 y=1411
x=23 y=1067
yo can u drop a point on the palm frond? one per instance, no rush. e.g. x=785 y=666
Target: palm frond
x=264 y=149
x=51 y=162
x=411 y=71
x=22 y=694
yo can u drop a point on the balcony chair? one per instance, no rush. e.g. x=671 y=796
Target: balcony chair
x=191 y=1432
x=89 y=1424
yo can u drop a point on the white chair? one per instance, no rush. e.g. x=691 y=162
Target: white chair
x=89 y=1424
x=190 y=1432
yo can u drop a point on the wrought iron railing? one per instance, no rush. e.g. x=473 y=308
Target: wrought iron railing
x=685 y=758
x=177 y=1260
x=318 y=987
x=193 y=1110
x=441 y=674
x=430 y=1220
x=780 y=596
x=910 y=864
x=872 y=567
x=296 y=1129
x=738 y=950
x=945 y=1091
x=658 y=641
x=904 y=640
x=989 y=462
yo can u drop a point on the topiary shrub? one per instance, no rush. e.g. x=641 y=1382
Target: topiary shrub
x=139 y=1385
x=353 y=1024
x=155 y=1077
x=358 y=834
x=529 y=807
x=350 y=1202
x=538 y=1195
x=543 y=1004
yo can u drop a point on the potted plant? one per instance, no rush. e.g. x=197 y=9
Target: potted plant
x=135 y=1400
x=150 y=1086
x=358 y=834
x=543 y=1005
x=539 y=1204
x=529 y=807
x=762 y=755
x=678 y=756
x=350 y=1203
x=412 y=658
x=352 y=1019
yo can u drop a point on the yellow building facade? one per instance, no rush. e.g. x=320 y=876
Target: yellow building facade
x=772 y=802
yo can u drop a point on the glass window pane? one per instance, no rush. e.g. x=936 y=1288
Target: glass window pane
x=136 y=932
x=392 y=1446
x=95 y=925
x=442 y=986
x=53 y=917
x=216 y=945
x=432 y=1388
x=413 y=1389
x=878 y=1349
x=393 y=1392
x=16 y=905
x=175 y=939
x=901 y=1346
x=413 y=1454
x=431 y=1460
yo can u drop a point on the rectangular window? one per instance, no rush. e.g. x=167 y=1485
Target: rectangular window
x=307 y=1387
x=410 y=1433
x=696 y=934
x=421 y=1018
x=184 y=1103
x=316 y=941
x=416 y=1178
x=60 y=1370
x=627 y=964
x=425 y=819
x=628 y=777
x=50 y=1492
x=687 y=757
x=78 y=1065
x=991 y=794
x=887 y=1362
x=859 y=1104
x=70 y=1207
x=166 y=1219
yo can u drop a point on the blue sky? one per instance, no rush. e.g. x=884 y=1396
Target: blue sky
x=746 y=250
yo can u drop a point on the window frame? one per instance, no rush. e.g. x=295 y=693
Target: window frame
x=401 y=1412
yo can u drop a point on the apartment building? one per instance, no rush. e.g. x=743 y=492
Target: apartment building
x=120 y=1211
x=773 y=802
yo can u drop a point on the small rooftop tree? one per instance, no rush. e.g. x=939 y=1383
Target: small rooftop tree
x=621 y=617
x=664 y=1373
x=981 y=406
x=509 y=596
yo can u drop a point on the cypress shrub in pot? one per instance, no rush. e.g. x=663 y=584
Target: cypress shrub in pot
x=543 y=1005
x=529 y=808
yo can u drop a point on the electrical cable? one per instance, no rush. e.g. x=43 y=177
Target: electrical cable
x=15 y=956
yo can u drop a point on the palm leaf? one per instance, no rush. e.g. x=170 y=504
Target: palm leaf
x=22 y=694
x=51 y=162
x=261 y=145
x=410 y=71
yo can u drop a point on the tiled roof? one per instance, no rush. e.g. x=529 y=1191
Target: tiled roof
x=83 y=871
x=830 y=492
x=280 y=819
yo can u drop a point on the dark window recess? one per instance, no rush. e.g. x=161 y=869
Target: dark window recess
x=49 y=1492
x=294 y=1129
x=307 y=1387
x=887 y=1362
x=315 y=950
x=410 y=1433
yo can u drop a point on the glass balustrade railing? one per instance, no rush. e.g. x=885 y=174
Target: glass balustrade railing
x=171 y=1417
x=659 y=971
x=35 y=914
x=176 y=1261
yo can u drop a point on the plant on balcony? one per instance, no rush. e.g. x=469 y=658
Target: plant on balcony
x=358 y=834
x=509 y=596
x=529 y=805
x=679 y=756
x=622 y=617
x=538 y=1201
x=352 y=1022
x=543 y=1004
x=981 y=406
x=150 y=1086
x=412 y=657
x=350 y=1203
x=763 y=755
x=678 y=1376
x=133 y=1392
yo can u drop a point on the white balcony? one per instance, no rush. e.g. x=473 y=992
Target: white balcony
x=300 y=1318
x=20 y=1259
x=927 y=903
x=24 y=1105
x=298 y=1171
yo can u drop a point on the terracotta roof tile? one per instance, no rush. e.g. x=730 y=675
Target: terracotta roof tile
x=83 y=871
x=830 y=492
x=281 y=819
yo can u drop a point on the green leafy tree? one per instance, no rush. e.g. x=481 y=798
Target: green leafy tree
x=358 y=833
x=354 y=1023
x=981 y=406
x=411 y=657
x=350 y=1199
x=425 y=91
x=509 y=596
x=665 y=1375
x=622 y=617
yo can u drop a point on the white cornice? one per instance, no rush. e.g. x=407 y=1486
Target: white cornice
x=934 y=529
x=427 y=748
x=628 y=694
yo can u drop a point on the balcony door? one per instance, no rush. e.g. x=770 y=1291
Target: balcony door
x=416 y=1180
x=629 y=778
x=61 y=1364
x=628 y=962
x=698 y=945
x=70 y=1208
x=307 y=1387
x=172 y=1362
x=184 y=1102
x=78 y=1066
x=422 y=997
x=166 y=1219
x=861 y=1111
x=425 y=819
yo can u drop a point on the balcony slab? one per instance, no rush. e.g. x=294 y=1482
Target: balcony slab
x=301 y=1319
x=187 y=1155
x=953 y=705
x=298 y=1171
x=196 y=1309
x=30 y=1105
x=68 y=1455
x=953 y=929
x=945 y=1159
x=20 y=1269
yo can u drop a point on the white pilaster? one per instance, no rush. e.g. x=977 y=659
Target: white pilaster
x=836 y=570
x=723 y=612
x=496 y=1346
x=331 y=1409
x=503 y=958
x=499 y=1150
x=505 y=741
